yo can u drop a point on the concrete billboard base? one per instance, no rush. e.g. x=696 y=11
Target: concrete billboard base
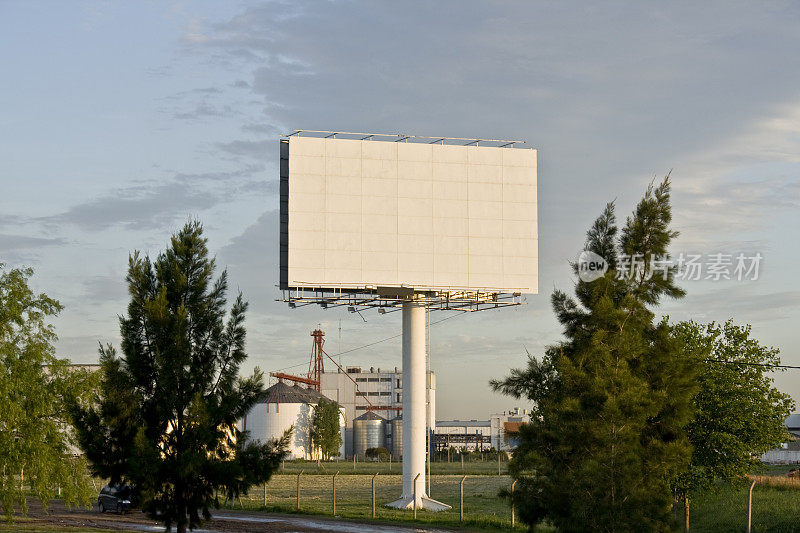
x=423 y=503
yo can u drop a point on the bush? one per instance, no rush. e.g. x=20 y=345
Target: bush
x=377 y=454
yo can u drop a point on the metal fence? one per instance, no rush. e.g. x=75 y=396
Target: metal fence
x=765 y=504
x=762 y=504
x=474 y=499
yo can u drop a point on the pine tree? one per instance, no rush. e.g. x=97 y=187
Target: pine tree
x=166 y=416
x=610 y=402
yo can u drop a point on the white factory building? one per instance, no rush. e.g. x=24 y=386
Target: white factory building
x=499 y=432
x=380 y=388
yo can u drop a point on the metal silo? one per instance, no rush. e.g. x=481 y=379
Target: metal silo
x=369 y=431
x=397 y=437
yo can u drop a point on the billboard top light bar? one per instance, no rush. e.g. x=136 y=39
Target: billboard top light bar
x=399 y=137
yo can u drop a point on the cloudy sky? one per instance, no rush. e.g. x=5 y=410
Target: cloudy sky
x=120 y=120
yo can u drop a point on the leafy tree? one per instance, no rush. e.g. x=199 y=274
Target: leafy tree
x=610 y=402
x=35 y=389
x=166 y=416
x=325 y=434
x=739 y=414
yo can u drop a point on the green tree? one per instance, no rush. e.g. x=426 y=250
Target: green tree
x=325 y=434
x=739 y=414
x=166 y=417
x=35 y=389
x=606 y=436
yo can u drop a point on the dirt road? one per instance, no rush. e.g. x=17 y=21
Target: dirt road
x=222 y=521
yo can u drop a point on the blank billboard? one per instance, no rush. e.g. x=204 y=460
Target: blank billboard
x=363 y=214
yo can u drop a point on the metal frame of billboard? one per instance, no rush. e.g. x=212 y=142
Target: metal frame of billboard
x=390 y=299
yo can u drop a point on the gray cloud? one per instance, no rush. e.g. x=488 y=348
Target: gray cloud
x=608 y=112
x=262 y=128
x=729 y=206
x=155 y=205
x=101 y=289
x=203 y=110
x=260 y=150
x=739 y=300
x=24 y=242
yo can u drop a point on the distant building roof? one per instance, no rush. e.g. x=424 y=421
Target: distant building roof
x=370 y=415
x=283 y=393
x=793 y=422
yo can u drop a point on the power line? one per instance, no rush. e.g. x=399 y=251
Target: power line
x=742 y=363
x=369 y=344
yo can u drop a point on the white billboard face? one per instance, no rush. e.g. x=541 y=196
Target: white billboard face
x=362 y=214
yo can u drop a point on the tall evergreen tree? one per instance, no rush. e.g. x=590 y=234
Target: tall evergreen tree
x=166 y=416
x=610 y=402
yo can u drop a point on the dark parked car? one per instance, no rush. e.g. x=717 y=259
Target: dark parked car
x=115 y=498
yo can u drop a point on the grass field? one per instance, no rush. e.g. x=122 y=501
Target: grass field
x=774 y=509
x=483 y=508
x=454 y=467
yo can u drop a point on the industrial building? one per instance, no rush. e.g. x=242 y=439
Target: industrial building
x=499 y=432
x=377 y=390
x=371 y=405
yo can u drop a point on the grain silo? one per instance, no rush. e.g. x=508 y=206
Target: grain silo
x=397 y=437
x=369 y=431
x=282 y=407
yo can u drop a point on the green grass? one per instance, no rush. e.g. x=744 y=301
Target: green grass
x=775 y=509
x=483 y=508
x=486 y=468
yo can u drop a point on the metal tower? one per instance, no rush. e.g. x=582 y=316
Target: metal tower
x=316 y=366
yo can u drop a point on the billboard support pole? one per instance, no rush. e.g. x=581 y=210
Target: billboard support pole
x=414 y=408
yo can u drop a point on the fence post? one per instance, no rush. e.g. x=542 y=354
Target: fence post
x=461 y=505
x=750 y=505
x=298 y=489
x=373 y=494
x=686 y=512
x=498 y=462
x=334 y=492
x=512 y=503
x=415 y=495
x=265 y=494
